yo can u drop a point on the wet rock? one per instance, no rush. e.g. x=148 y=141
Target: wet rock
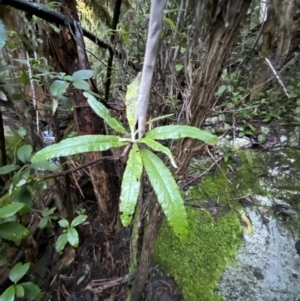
x=283 y=139
x=239 y=143
x=297 y=246
x=267 y=266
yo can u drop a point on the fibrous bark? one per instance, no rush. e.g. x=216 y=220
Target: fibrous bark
x=69 y=54
x=224 y=28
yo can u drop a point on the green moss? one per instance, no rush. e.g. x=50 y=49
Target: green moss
x=196 y=265
x=215 y=187
x=247 y=176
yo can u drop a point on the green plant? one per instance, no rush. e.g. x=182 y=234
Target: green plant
x=10 y=228
x=70 y=234
x=140 y=157
x=47 y=217
x=24 y=289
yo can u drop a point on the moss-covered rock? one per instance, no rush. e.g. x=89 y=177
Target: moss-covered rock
x=213 y=238
x=196 y=265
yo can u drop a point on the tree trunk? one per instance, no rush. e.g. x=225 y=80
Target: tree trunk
x=224 y=29
x=268 y=35
x=285 y=31
x=69 y=56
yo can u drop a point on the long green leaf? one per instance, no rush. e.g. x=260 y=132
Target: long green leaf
x=103 y=112
x=158 y=147
x=10 y=209
x=77 y=145
x=8 y=168
x=167 y=192
x=181 y=131
x=131 y=99
x=131 y=185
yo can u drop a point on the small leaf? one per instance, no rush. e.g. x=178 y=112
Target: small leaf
x=178 y=67
x=44 y=165
x=181 y=131
x=21 y=183
x=8 y=168
x=77 y=145
x=9 y=294
x=61 y=242
x=131 y=100
x=172 y=25
x=78 y=220
x=13 y=231
x=246 y=223
x=81 y=84
x=158 y=148
x=82 y=74
x=55 y=28
x=43 y=222
x=20 y=292
x=51 y=211
x=22 y=195
x=10 y=209
x=24 y=153
x=167 y=192
x=32 y=291
x=58 y=88
x=63 y=223
x=130 y=185
x=54 y=105
x=249 y=157
x=73 y=237
x=159 y=118
x=221 y=89
x=261 y=138
x=103 y=112
x=18 y=271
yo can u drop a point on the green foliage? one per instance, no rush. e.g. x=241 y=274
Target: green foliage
x=180 y=131
x=77 y=145
x=131 y=185
x=47 y=217
x=131 y=100
x=25 y=289
x=10 y=209
x=103 y=112
x=13 y=231
x=70 y=234
x=156 y=146
x=24 y=153
x=167 y=192
x=159 y=175
x=8 y=168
